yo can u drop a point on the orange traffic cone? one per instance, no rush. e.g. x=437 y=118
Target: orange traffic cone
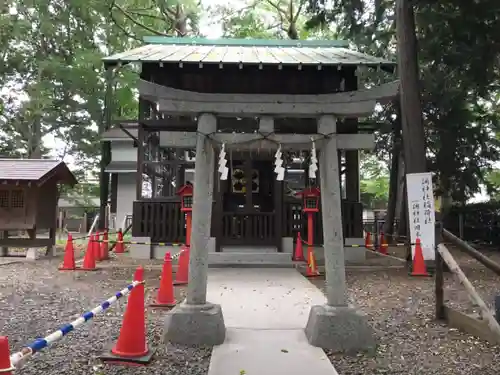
x=383 y=244
x=104 y=246
x=119 y=249
x=89 y=259
x=298 y=255
x=182 y=274
x=419 y=268
x=368 y=241
x=132 y=346
x=6 y=367
x=69 y=256
x=312 y=270
x=166 y=297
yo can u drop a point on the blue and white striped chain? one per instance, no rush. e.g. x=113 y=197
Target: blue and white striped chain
x=18 y=359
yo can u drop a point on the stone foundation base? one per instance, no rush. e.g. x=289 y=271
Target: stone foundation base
x=195 y=325
x=340 y=329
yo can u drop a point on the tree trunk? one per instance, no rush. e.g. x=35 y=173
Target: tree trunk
x=401 y=179
x=403 y=214
x=388 y=228
x=412 y=128
x=35 y=140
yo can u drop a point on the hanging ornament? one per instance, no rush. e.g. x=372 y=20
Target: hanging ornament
x=278 y=165
x=223 y=170
x=313 y=163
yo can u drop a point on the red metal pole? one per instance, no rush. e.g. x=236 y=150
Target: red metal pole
x=188 y=228
x=310 y=230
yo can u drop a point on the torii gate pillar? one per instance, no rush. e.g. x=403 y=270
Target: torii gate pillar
x=336 y=325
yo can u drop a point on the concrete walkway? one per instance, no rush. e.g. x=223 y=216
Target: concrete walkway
x=265 y=312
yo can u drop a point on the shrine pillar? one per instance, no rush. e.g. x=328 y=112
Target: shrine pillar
x=335 y=325
x=196 y=321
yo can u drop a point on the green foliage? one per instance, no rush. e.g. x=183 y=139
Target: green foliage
x=82 y=194
x=374 y=182
x=267 y=19
x=52 y=82
x=459 y=47
x=52 y=75
x=493 y=184
x=138 y=18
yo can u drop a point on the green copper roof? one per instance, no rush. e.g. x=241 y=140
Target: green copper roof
x=246 y=52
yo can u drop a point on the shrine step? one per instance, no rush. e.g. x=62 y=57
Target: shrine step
x=247 y=259
x=249 y=249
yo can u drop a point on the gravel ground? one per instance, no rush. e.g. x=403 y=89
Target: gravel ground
x=36 y=299
x=401 y=310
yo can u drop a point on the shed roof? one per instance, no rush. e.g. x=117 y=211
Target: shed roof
x=247 y=52
x=35 y=170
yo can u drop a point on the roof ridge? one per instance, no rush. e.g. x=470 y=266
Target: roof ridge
x=243 y=42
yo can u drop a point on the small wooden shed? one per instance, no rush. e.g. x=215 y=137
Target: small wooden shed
x=28 y=200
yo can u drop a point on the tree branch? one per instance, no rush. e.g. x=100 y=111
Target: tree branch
x=147 y=15
x=130 y=18
x=120 y=27
x=281 y=12
x=299 y=10
x=234 y=13
x=277 y=7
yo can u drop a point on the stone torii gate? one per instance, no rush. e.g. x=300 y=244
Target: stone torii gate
x=335 y=325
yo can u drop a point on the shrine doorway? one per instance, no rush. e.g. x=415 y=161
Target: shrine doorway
x=249 y=201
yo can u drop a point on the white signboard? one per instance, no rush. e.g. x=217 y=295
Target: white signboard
x=421 y=212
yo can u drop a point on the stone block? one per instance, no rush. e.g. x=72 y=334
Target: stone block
x=340 y=329
x=32 y=254
x=287 y=245
x=139 y=251
x=195 y=325
x=351 y=254
x=355 y=254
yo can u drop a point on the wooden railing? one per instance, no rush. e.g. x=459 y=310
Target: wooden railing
x=162 y=221
x=352 y=215
x=295 y=221
x=256 y=228
x=484 y=324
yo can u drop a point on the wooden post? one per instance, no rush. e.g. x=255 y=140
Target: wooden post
x=83 y=227
x=60 y=226
x=141 y=136
x=466 y=248
x=278 y=213
x=439 y=286
x=486 y=313
x=51 y=248
x=461 y=225
x=105 y=147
